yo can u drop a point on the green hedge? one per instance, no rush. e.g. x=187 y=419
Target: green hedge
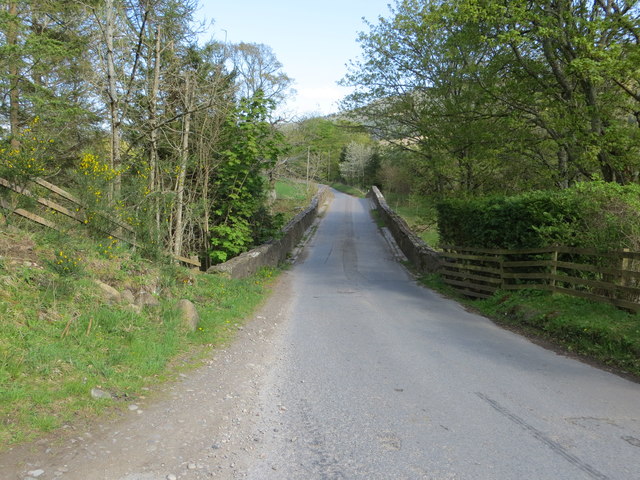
x=590 y=215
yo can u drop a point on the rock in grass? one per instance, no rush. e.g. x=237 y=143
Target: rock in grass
x=109 y=293
x=97 y=393
x=189 y=314
x=145 y=299
x=134 y=308
x=128 y=297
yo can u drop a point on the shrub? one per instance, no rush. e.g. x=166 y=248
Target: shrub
x=590 y=215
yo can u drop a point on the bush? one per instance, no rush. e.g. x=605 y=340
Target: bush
x=590 y=215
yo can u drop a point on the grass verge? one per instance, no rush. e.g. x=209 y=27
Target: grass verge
x=60 y=338
x=596 y=332
x=348 y=189
x=292 y=197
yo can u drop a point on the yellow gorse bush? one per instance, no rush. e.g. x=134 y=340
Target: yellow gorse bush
x=31 y=159
x=92 y=167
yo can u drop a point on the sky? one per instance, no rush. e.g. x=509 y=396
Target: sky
x=313 y=39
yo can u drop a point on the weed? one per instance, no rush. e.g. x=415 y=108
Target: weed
x=378 y=218
x=65 y=264
x=107 y=248
x=291 y=198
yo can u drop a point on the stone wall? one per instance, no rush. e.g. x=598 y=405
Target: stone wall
x=422 y=256
x=274 y=253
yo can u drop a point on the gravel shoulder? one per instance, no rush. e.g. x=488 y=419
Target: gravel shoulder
x=202 y=426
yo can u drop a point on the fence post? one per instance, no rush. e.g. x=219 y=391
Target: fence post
x=624 y=266
x=554 y=267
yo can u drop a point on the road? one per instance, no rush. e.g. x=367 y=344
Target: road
x=353 y=371
x=383 y=379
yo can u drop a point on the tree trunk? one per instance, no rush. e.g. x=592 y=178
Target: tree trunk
x=563 y=168
x=153 y=125
x=184 y=157
x=115 y=160
x=14 y=94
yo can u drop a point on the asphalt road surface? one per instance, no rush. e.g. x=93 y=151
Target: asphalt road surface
x=353 y=371
x=383 y=379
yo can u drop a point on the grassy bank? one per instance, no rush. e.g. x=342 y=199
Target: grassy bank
x=292 y=196
x=60 y=338
x=419 y=213
x=594 y=331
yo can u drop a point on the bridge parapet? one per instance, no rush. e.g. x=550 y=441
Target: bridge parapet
x=276 y=252
x=422 y=256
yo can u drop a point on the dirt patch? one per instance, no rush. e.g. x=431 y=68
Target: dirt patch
x=16 y=248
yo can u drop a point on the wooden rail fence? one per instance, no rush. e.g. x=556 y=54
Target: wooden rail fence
x=611 y=277
x=74 y=210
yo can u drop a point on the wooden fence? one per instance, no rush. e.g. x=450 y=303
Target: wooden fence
x=73 y=209
x=612 y=277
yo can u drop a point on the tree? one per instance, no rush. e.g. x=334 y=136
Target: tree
x=571 y=57
x=481 y=90
x=413 y=89
x=316 y=143
x=257 y=69
x=121 y=27
x=136 y=108
x=43 y=59
x=239 y=215
x=357 y=160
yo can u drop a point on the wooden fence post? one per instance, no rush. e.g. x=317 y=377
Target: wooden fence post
x=554 y=267
x=624 y=267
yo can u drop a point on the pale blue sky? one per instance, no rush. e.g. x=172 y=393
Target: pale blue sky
x=312 y=39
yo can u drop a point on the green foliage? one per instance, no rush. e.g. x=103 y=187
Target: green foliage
x=419 y=213
x=591 y=215
x=317 y=145
x=291 y=190
x=230 y=239
x=348 y=189
x=500 y=97
x=239 y=213
x=359 y=164
x=291 y=197
x=43 y=66
x=33 y=158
